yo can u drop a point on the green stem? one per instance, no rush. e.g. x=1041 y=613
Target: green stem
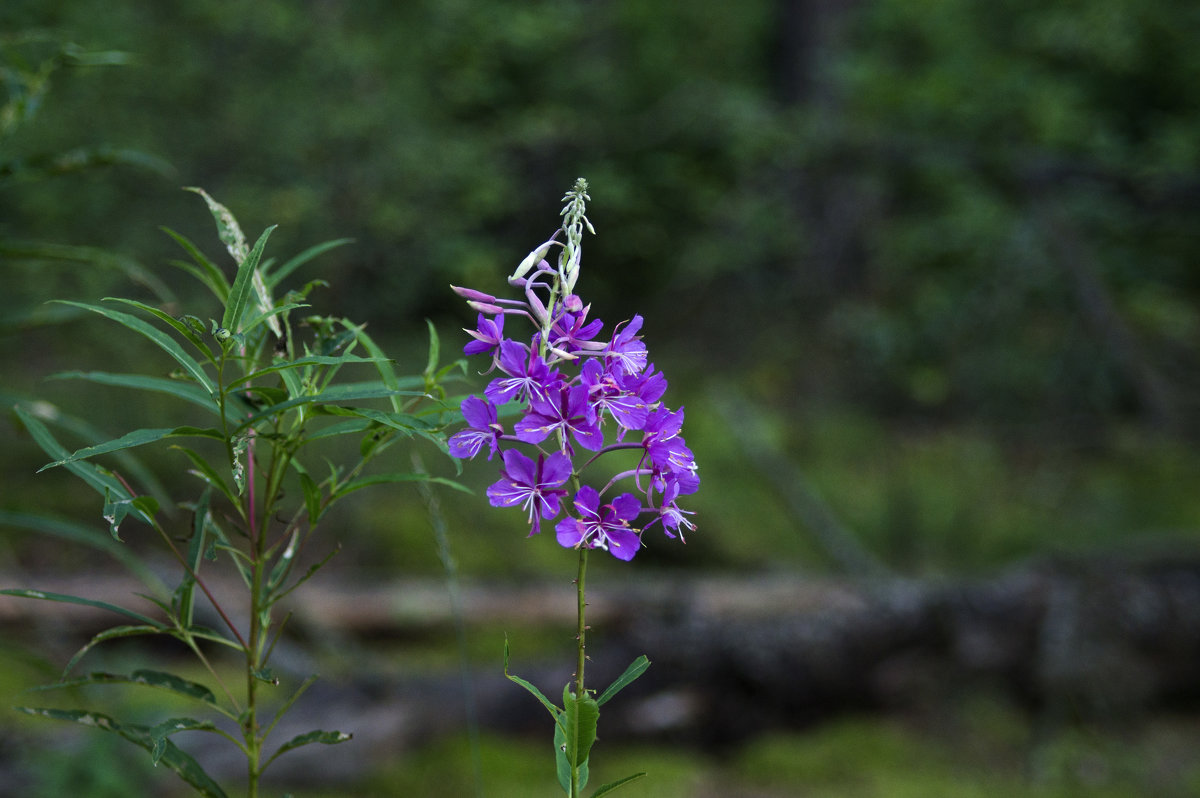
x=581 y=648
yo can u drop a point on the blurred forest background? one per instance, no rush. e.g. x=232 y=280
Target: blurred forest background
x=924 y=275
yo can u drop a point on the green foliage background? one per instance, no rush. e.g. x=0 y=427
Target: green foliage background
x=940 y=255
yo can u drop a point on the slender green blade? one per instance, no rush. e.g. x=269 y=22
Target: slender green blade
x=205 y=270
x=635 y=669
x=66 y=599
x=228 y=230
x=182 y=764
x=612 y=785
x=161 y=339
x=100 y=480
x=243 y=285
x=310 y=360
x=172 y=322
x=554 y=711
x=318 y=736
x=187 y=391
x=139 y=437
x=115 y=633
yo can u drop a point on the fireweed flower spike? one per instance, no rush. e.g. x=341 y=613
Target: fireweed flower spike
x=576 y=391
x=579 y=395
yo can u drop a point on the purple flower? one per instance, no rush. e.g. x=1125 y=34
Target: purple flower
x=565 y=410
x=602 y=526
x=528 y=374
x=670 y=514
x=482 y=428
x=487 y=335
x=572 y=332
x=606 y=392
x=626 y=349
x=533 y=485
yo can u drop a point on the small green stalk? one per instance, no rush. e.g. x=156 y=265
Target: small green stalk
x=581 y=642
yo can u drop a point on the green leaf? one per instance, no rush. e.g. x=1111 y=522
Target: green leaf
x=434 y=352
x=160 y=339
x=276 y=276
x=322 y=737
x=243 y=285
x=387 y=374
x=139 y=437
x=158 y=734
x=102 y=605
x=635 y=669
x=187 y=391
x=148 y=678
x=228 y=230
x=205 y=270
x=554 y=711
x=309 y=360
x=612 y=785
x=582 y=716
x=184 y=598
x=176 y=324
x=114 y=633
x=312 y=497
x=206 y=472
x=99 y=479
x=342 y=393
x=562 y=764
x=171 y=756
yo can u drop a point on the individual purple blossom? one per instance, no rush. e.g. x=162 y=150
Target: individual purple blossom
x=670 y=514
x=528 y=374
x=535 y=485
x=606 y=393
x=602 y=526
x=488 y=335
x=572 y=332
x=565 y=410
x=482 y=427
x=626 y=349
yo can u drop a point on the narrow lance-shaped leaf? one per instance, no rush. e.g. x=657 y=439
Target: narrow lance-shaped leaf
x=635 y=669
x=139 y=437
x=115 y=633
x=188 y=333
x=228 y=230
x=187 y=391
x=160 y=339
x=554 y=711
x=97 y=478
x=322 y=737
x=172 y=757
x=66 y=599
x=607 y=788
x=243 y=285
x=204 y=269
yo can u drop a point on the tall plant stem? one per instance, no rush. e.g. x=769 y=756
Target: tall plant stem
x=581 y=648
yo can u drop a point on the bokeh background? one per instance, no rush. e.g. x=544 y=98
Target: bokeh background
x=924 y=275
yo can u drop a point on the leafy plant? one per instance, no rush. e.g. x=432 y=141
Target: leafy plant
x=273 y=386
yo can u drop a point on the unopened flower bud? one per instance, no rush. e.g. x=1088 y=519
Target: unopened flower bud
x=485 y=307
x=471 y=293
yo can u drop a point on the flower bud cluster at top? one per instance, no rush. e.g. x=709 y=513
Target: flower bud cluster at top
x=575 y=390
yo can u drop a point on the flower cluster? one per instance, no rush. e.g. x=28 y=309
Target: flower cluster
x=580 y=396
